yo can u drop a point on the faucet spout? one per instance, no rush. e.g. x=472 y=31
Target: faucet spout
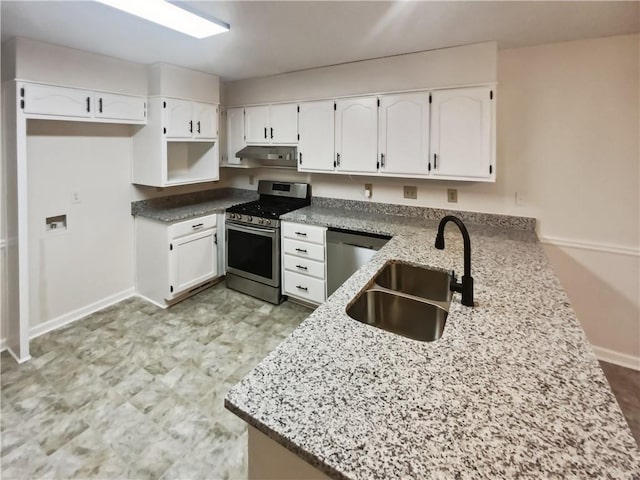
x=466 y=285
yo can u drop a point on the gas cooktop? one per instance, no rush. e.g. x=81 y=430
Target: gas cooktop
x=276 y=199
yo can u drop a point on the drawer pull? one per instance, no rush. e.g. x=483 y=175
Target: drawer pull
x=302 y=267
x=300 y=287
x=197 y=225
x=302 y=234
x=301 y=250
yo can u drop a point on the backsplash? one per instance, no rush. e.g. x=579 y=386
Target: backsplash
x=488 y=219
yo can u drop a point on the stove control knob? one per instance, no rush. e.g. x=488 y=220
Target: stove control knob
x=249 y=218
x=267 y=222
x=260 y=221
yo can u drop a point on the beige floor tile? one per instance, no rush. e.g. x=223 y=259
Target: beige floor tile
x=135 y=391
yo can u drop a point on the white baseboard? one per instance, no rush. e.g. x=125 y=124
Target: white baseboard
x=617 y=358
x=79 y=313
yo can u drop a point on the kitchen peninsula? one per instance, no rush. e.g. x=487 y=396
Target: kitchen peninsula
x=512 y=389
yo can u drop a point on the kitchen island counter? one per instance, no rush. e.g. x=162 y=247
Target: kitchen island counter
x=511 y=389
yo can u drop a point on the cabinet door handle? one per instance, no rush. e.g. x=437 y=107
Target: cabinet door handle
x=197 y=225
x=300 y=158
x=198 y=126
x=100 y=105
x=272 y=133
x=302 y=267
x=88 y=104
x=382 y=160
x=301 y=250
x=302 y=234
x=265 y=132
x=435 y=161
x=300 y=287
x=338 y=159
x=190 y=126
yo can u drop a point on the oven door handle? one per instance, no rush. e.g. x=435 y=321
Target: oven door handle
x=246 y=228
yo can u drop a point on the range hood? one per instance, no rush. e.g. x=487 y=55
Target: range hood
x=270 y=156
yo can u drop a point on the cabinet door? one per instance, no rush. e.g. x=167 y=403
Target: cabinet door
x=58 y=101
x=283 y=124
x=256 y=123
x=357 y=135
x=235 y=134
x=461 y=133
x=316 y=124
x=178 y=118
x=192 y=260
x=120 y=107
x=205 y=120
x=403 y=134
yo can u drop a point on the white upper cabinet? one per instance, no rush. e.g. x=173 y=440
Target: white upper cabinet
x=235 y=134
x=120 y=107
x=205 y=120
x=356 y=135
x=462 y=134
x=53 y=102
x=316 y=126
x=403 y=134
x=178 y=118
x=283 y=120
x=50 y=100
x=185 y=119
x=271 y=124
x=256 y=121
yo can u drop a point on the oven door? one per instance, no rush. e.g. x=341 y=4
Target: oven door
x=253 y=252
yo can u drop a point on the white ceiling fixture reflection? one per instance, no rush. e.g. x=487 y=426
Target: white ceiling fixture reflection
x=170 y=16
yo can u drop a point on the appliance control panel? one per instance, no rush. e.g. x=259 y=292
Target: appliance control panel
x=248 y=219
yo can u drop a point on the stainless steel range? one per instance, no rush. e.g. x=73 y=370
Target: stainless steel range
x=252 y=238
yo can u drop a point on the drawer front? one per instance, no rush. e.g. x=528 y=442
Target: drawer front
x=303 y=249
x=306 y=233
x=304 y=266
x=191 y=226
x=301 y=286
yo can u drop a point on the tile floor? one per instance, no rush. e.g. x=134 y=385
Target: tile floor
x=134 y=391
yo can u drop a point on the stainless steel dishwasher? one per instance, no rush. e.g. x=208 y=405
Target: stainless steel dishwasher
x=347 y=251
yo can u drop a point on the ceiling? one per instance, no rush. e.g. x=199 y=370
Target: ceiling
x=269 y=37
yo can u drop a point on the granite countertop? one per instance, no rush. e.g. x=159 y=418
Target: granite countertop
x=184 y=207
x=512 y=389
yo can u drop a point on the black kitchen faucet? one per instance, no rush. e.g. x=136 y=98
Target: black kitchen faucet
x=466 y=285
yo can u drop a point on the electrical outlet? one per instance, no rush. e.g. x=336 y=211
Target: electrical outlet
x=368 y=190
x=410 y=192
x=452 y=195
x=251 y=180
x=75 y=197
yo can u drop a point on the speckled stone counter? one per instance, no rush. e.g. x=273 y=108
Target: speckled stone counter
x=511 y=390
x=176 y=208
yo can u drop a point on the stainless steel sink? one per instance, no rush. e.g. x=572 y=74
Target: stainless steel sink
x=404 y=315
x=417 y=281
x=405 y=299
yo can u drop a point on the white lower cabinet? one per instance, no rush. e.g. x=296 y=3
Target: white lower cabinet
x=174 y=259
x=303 y=262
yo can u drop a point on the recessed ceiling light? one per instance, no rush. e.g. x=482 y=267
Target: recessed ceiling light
x=170 y=16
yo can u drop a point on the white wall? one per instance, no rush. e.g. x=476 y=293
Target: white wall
x=568 y=149
x=466 y=65
x=93 y=259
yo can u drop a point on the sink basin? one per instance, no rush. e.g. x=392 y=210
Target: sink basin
x=403 y=315
x=417 y=281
